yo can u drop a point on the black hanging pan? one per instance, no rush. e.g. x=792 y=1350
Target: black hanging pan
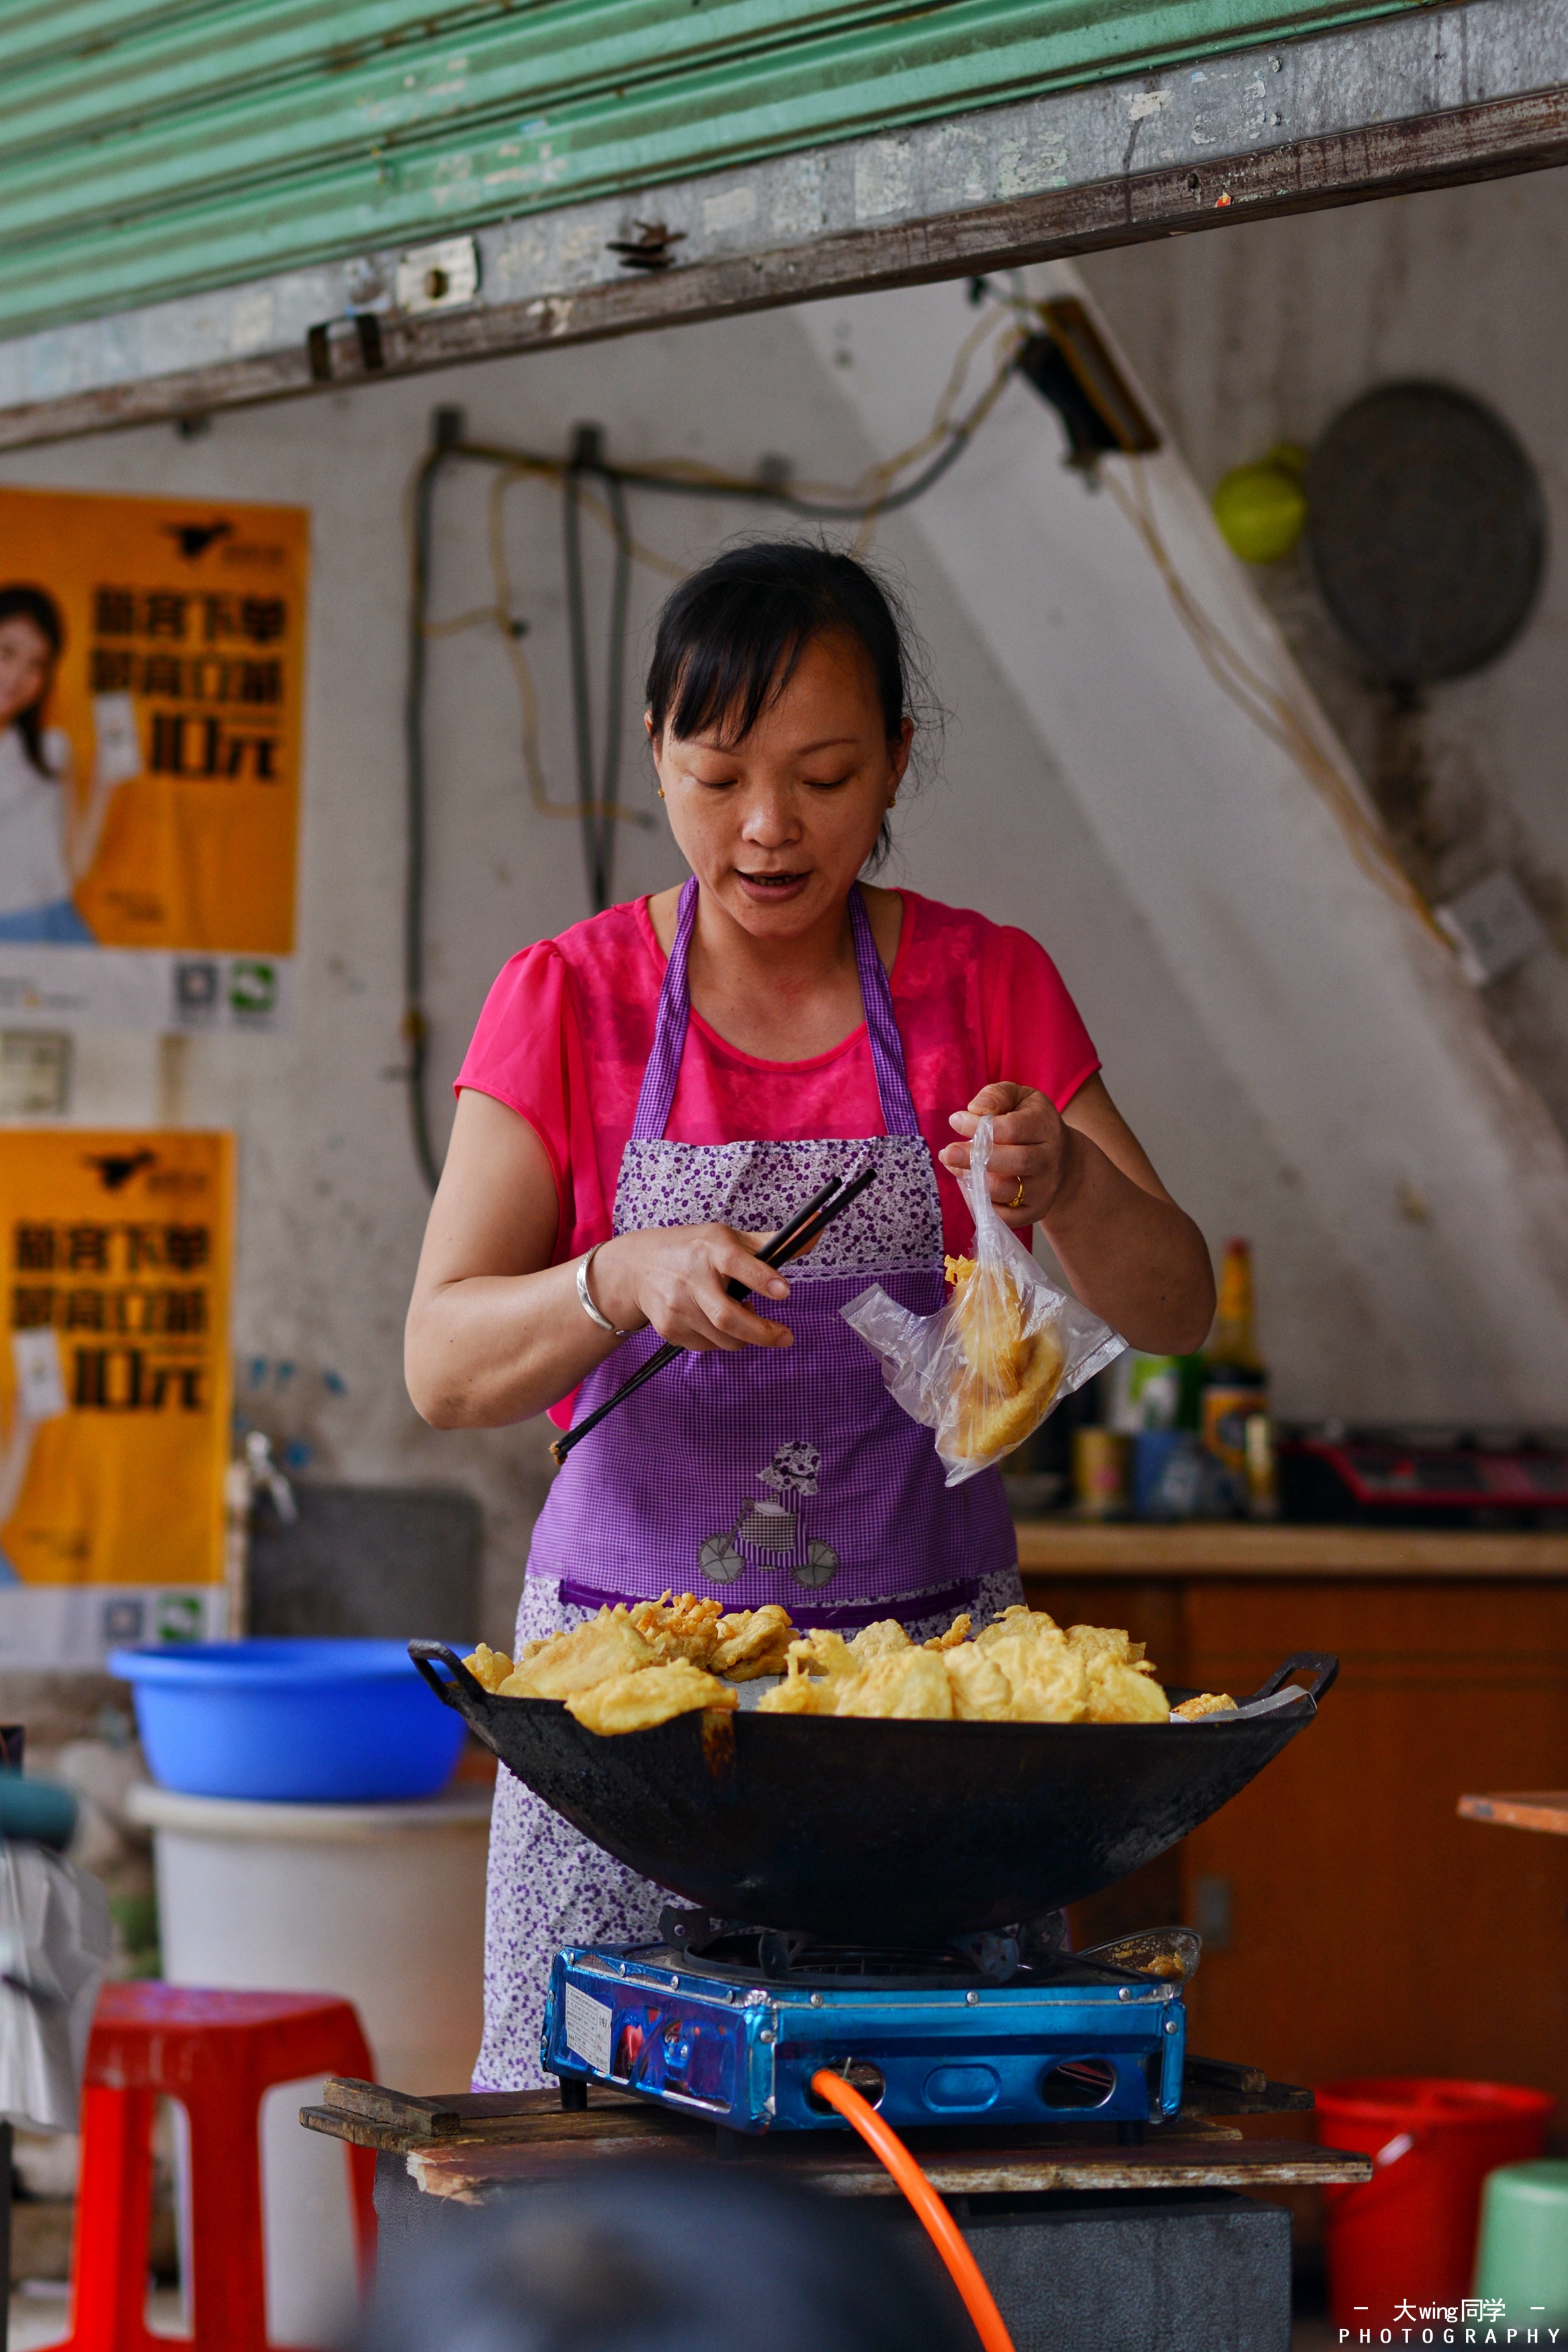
x=887 y=1833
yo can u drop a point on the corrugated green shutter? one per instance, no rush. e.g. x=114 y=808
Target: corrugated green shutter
x=153 y=150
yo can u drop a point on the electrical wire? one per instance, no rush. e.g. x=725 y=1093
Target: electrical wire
x=944 y=2232
x=1271 y=712
x=595 y=809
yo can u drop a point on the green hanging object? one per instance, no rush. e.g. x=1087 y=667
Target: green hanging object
x=1261 y=509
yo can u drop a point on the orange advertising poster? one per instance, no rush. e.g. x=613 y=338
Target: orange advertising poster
x=151 y=656
x=115 y=1390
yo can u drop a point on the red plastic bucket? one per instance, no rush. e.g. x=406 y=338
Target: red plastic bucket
x=1408 y=2236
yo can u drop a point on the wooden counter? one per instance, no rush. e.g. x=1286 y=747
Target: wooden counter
x=1075 y=1547
x=491 y=2140
x=1353 y=1922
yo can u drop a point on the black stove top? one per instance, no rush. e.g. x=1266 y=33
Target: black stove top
x=727 y=1952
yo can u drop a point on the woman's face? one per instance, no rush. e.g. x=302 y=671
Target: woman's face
x=777 y=828
x=26 y=658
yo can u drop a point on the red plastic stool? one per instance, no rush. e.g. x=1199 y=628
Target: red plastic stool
x=217 y=2054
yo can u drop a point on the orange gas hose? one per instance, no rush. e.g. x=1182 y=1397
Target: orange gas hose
x=884 y=2144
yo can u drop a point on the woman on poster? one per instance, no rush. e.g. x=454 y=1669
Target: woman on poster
x=48 y=839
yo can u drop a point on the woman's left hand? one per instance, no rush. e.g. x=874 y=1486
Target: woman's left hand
x=1030 y=1150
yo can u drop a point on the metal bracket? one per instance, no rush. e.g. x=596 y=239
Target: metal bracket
x=440 y=277
x=364 y=327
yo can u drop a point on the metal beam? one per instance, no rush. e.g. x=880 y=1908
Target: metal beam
x=1461 y=92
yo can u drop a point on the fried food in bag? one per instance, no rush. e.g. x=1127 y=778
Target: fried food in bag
x=985 y=1370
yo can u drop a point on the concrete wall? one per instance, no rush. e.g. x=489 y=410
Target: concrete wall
x=332 y=1206
x=1264 y=334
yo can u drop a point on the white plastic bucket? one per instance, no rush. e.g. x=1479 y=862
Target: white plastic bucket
x=382 y=1903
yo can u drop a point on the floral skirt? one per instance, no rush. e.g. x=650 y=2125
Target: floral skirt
x=549 y=1885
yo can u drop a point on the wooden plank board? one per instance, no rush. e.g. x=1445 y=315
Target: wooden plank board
x=1132 y=1548
x=1522 y=131
x=1540 y=1808
x=982 y=2165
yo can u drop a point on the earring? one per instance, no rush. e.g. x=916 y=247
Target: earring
x=661 y=791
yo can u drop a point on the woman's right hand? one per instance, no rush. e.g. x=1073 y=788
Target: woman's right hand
x=673 y=1276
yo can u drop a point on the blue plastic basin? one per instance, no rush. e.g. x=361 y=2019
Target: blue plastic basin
x=298 y=1722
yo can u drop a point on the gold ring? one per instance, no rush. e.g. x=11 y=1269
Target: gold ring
x=1017 y=1201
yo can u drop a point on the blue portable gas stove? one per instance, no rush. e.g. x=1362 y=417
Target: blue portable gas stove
x=732 y=2024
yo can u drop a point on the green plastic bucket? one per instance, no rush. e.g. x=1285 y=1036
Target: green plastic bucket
x=1523 y=2257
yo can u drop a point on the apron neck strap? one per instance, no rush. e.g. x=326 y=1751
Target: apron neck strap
x=881 y=1025
x=658 y=1089
x=657 y=1095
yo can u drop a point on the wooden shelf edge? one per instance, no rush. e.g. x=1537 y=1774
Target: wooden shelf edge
x=1197 y=1548
x=1527 y=1809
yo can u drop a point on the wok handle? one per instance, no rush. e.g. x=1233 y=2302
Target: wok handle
x=446 y=1690
x=1317 y=1662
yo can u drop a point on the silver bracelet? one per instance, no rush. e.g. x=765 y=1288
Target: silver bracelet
x=588 y=1307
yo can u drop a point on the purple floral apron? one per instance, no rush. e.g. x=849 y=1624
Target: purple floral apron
x=777 y=1474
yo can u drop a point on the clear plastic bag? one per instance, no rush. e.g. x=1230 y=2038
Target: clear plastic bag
x=985 y=1368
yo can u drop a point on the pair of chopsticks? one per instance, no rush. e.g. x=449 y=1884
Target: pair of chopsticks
x=805 y=1227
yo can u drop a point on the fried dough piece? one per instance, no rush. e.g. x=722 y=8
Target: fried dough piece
x=683 y=1628
x=1010 y=1373
x=992 y=1417
x=607 y=1644
x=488 y=1667
x=958 y=1630
x=981 y=1691
x=751 y=1643
x=1031 y=1624
x=1047 y=1681
x=1109 y=1642
x=799 y=1694
x=987 y=1314
x=882 y=1640
x=1206 y=1703
x=1118 y=1693
x=823 y=1651
x=904 y=1685
x=651 y=1695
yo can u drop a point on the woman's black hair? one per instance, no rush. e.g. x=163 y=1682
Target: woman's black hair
x=19 y=602
x=730 y=637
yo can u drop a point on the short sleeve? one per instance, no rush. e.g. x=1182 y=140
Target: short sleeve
x=1034 y=1032
x=518 y=1052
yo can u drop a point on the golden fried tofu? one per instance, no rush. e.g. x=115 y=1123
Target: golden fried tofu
x=1031 y=1624
x=651 y=1695
x=1047 y=1681
x=1008 y=1374
x=681 y=1628
x=752 y=1643
x=1109 y=1641
x=1206 y=1703
x=607 y=1644
x=995 y=1413
x=981 y=1691
x=879 y=1641
x=488 y=1667
x=823 y=1651
x=907 y=1685
x=1118 y=1693
x=958 y=1630
x=799 y=1694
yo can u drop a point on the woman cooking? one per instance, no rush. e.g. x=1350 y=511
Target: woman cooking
x=651 y=1095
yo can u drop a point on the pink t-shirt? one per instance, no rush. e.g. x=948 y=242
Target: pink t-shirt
x=568 y=1028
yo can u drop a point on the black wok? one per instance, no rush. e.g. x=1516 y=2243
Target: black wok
x=878 y=1833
